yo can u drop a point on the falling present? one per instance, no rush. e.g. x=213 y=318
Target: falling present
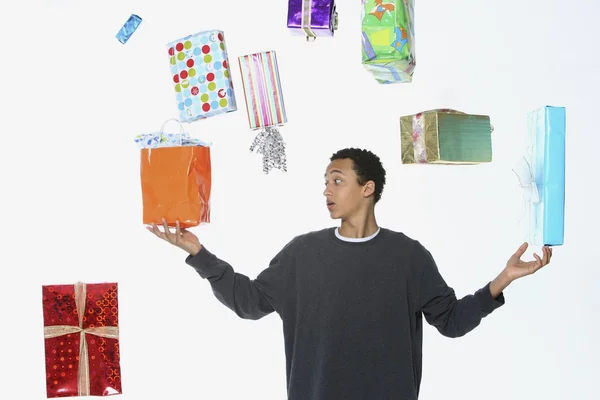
x=312 y=18
x=445 y=136
x=388 y=43
x=201 y=76
x=128 y=28
x=265 y=106
x=81 y=340
x=542 y=176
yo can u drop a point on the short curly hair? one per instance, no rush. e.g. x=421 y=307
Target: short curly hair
x=367 y=167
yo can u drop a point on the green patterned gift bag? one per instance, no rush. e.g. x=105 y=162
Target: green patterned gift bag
x=388 y=44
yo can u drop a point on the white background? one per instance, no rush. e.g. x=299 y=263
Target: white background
x=74 y=98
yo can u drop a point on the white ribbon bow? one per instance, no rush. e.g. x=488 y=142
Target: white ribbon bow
x=531 y=196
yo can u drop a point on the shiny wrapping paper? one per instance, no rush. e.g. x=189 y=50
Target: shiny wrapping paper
x=388 y=43
x=544 y=176
x=81 y=340
x=445 y=136
x=200 y=76
x=262 y=90
x=312 y=18
x=128 y=28
x=265 y=106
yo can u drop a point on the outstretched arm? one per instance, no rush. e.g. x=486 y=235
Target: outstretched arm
x=249 y=299
x=456 y=317
x=437 y=301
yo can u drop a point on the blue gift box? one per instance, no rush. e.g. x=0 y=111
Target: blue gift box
x=128 y=28
x=546 y=157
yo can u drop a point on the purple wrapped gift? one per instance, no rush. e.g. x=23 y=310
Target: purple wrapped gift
x=312 y=18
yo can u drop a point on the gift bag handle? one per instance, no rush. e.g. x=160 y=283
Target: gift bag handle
x=181 y=131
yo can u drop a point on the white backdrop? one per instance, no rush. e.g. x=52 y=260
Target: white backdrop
x=75 y=97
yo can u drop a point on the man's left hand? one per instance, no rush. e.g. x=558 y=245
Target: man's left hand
x=517 y=268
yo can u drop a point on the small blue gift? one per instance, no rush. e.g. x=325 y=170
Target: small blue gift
x=128 y=28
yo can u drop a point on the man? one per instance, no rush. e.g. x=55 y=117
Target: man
x=352 y=298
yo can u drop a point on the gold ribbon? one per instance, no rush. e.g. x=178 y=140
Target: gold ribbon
x=112 y=332
x=306 y=19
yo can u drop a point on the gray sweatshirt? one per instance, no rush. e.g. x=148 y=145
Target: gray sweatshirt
x=352 y=311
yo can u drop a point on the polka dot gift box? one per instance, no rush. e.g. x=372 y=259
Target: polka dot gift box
x=201 y=75
x=81 y=340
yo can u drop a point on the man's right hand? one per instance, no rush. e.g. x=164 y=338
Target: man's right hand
x=181 y=238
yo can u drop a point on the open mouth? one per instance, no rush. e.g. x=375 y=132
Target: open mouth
x=330 y=204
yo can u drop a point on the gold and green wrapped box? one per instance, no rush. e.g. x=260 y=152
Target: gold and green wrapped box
x=388 y=42
x=445 y=136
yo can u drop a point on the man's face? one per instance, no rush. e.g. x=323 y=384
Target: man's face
x=343 y=194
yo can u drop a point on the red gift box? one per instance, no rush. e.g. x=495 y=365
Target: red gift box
x=81 y=337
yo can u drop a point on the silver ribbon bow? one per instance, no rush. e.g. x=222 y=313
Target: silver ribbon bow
x=270 y=144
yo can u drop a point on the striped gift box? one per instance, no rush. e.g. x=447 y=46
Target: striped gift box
x=262 y=90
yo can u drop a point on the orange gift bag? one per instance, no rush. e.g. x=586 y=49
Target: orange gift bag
x=175 y=172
